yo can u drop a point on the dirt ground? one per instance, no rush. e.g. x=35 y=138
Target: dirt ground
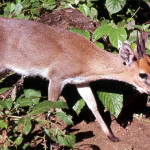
x=135 y=136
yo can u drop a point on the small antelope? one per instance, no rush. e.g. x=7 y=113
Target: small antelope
x=63 y=57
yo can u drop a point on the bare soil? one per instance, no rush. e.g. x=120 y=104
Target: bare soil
x=135 y=136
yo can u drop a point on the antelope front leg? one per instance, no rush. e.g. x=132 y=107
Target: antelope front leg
x=87 y=94
x=54 y=91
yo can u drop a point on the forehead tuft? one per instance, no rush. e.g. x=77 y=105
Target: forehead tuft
x=144 y=64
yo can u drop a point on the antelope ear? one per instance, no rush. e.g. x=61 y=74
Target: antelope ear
x=126 y=54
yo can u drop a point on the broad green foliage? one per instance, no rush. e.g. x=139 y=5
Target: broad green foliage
x=117 y=35
x=20 y=117
x=112 y=101
x=27 y=9
x=78 y=106
x=114 y=6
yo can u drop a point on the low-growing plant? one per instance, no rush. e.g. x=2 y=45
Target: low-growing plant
x=23 y=122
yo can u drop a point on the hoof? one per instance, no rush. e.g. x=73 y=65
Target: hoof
x=113 y=138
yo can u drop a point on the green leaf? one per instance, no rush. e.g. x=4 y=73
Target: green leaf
x=21 y=121
x=85 y=33
x=84 y=9
x=112 y=101
x=46 y=105
x=32 y=93
x=28 y=125
x=2 y=90
x=12 y=7
x=3 y=104
x=18 y=8
x=65 y=118
x=114 y=6
x=9 y=103
x=19 y=140
x=148 y=47
x=101 y=31
x=78 y=106
x=67 y=140
x=138 y=27
x=100 y=45
x=3 y=124
x=50 y=133
x=117 y=36
x=23 y=102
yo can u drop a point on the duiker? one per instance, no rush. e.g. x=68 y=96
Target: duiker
x=64 y=57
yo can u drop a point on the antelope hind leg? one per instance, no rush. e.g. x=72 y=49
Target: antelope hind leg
x=87 y=94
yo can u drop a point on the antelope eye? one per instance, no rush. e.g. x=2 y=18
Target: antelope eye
x=143 y=75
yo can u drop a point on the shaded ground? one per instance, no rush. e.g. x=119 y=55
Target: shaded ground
x=135 y=136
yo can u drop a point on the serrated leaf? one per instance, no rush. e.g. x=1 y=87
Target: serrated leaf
x=78 y=106
x=21 y=121
x=112 y=101
x=100 y=45
x=101 y=31
x=18 y=8
x=65 y=118
x=114 y=6
x=67 y=140
x=84 y=33
x=3 y=124
x=19 y=140
x=28 y=125
x=50 y=133
x=12 y=7
x=117 y=37
x=23 y=102
x=9 y=103
x=46 y=105
x=3 y=104
x=84 y=9
x=2 y=90
x=32 y=93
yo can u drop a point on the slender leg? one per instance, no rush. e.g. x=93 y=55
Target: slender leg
x=54 y=90
x=87 y=94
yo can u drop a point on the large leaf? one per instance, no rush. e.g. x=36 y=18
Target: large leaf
x=114 y=6
x=46 y=105
x=2 y=90
x=117 y=36
x=84 y=9
x=32 y=94
x=23 y=102
x=101 y=31
x=112 y=101
x=67 y=140
x=9 y=103
x=78 y=106
x=28 y=125
x=65 y=118
x=19 y=140
x=3 y=124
